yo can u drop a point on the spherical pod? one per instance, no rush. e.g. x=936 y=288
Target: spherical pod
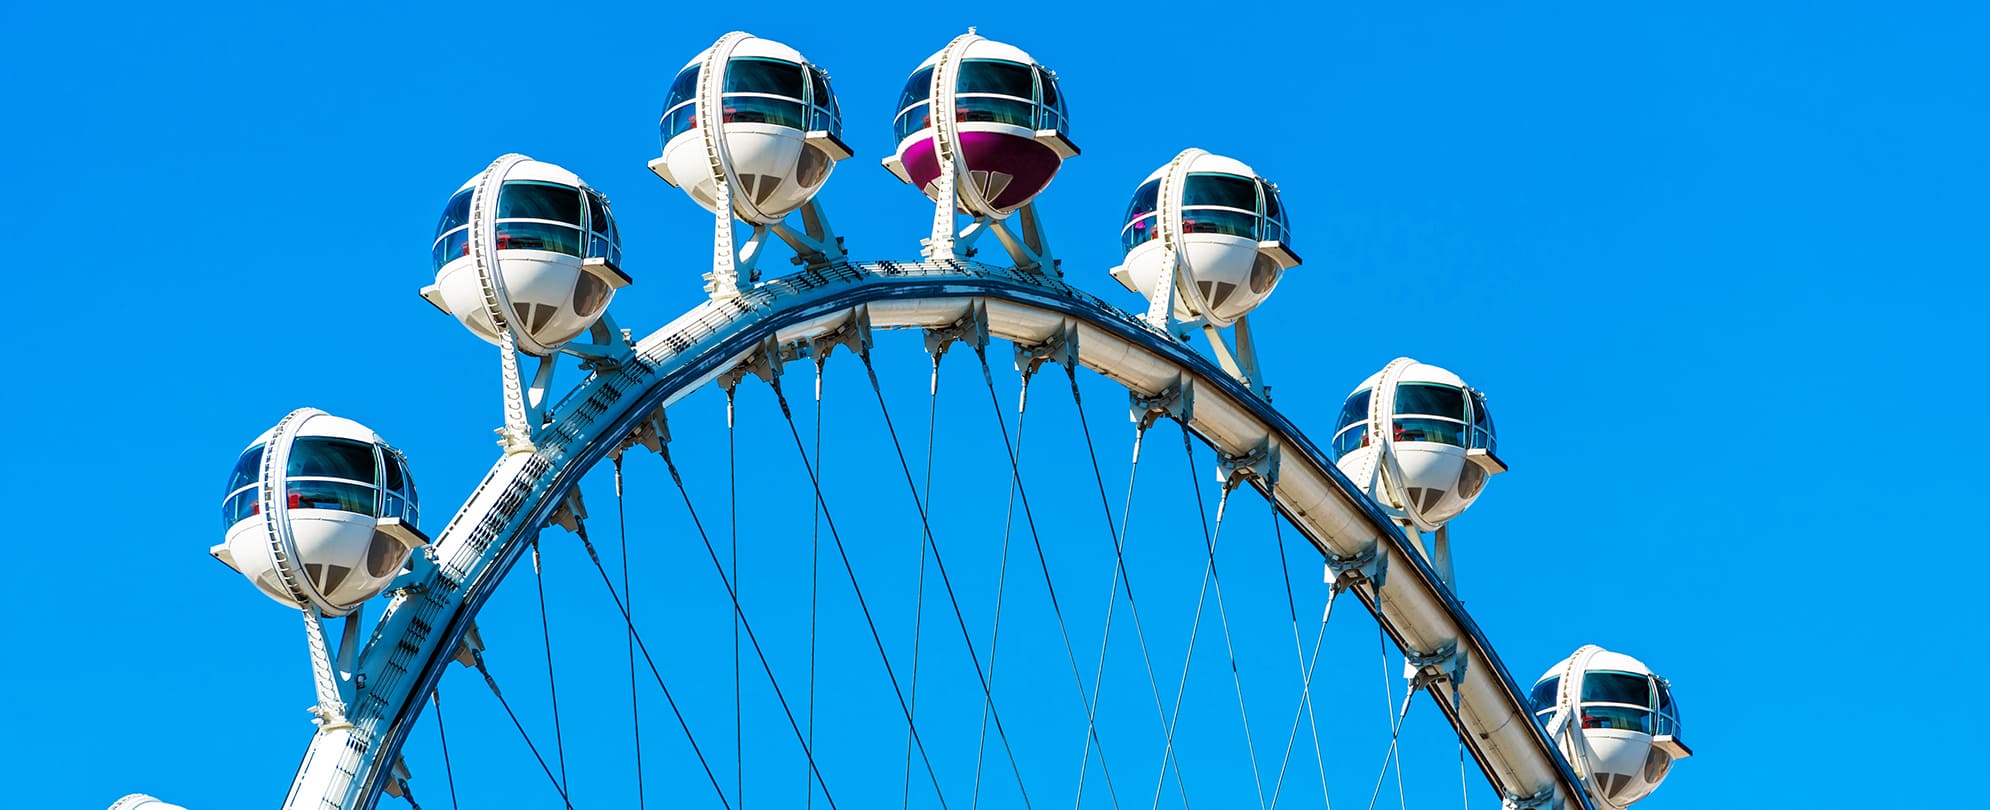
x=535 y=240
x=751 y=113
x=319 y=511
x=1417 y=439
x=1212 y=225
x=998 y=112
x=1614 y=719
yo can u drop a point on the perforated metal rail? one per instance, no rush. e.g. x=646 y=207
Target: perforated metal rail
x=423 y=625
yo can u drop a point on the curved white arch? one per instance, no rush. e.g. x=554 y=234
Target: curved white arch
x=420 y=631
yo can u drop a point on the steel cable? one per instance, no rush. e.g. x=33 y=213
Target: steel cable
x=850 y=570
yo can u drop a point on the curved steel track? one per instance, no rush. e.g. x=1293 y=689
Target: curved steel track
x=425 y=622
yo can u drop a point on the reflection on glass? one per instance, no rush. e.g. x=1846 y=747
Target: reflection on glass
x=1218 y=220
x=1355 y=409
x=1140 y=232
x=1545 y=693
x=1616 y=717
x=1617 y=687
x=237 y=507
x=994 y=110
x=760 y=110
x=1350 y=440
x=1144 y=200
x=456 y=214
x=757 y=74
x=333 y=495
x=248 y=469
x=1228 y=190
x=532 y=199
x=1430 y=430
x=679 y=120
x=538 y=236
x=1430 y=399
x=683 y=88
x=996 y=76
x=332 y=458
x=449 y=247
x=911 y=121
x=918 y=88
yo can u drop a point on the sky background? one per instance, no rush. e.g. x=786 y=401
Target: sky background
x=1689 y=253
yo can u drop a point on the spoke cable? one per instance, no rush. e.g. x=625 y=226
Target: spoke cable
x=1195 y=628
x=732 y=521
x=1120 y=574
x=1299 y=654
x=814 y=580
x=1395 y=732
x=546 y=630
x=448 y=772
x=1389 y=698
x=635 y=716
x=739 y=615
x=850 y=570
x=492 y=683
x=1087 y=698
x=1230 y=484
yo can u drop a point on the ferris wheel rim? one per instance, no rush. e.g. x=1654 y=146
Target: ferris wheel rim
x=681 y=366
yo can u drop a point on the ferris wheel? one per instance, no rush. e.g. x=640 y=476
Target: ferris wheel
x=1084 y=653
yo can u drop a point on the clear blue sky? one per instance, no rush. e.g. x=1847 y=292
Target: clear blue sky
x=1692 y=254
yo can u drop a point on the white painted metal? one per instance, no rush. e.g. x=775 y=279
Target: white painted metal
x=1620 y=765
x=423 y=624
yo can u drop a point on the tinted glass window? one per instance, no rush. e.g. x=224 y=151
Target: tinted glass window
x=1544 y=695
x=760 y=110
x=332 y=458
x=1430 y=400
x=679 y=121
x=917 y=88
x=819 y=94
x=597 y=215
x=456 y=214
x=1355 y=410
x=1350 y=440
x=1271 y=207
x=531 y=199
x=1430 y=430
x=1143 y=200
x=683 y=88
x=1049 y=86
x=991 y=76
x=333 y=495
x=248 y=469
x=911 y=121
x=241 y=505
x=1616 y=717
x=1229 y=190
x=996 y=111
x=1218 y=220
x=1480 y=417
x=1616 y=687
x=538 y=236
x=1142 y=230
x=452 y=246
x=751 y=74
x=396 y=477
